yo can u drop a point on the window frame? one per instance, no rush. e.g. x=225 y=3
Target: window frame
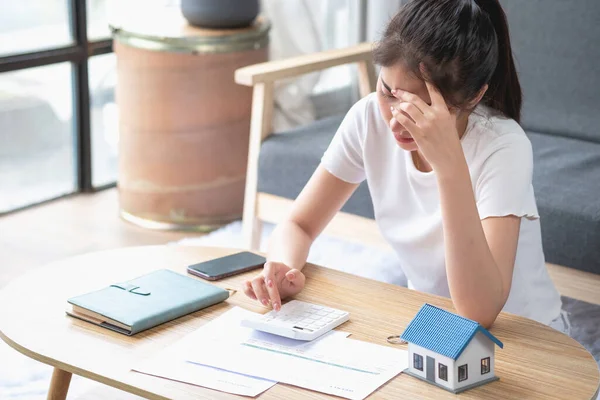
x=489 y=365
x=420 y=362
x=78 y=55
x=443 y=367
x=466 y=369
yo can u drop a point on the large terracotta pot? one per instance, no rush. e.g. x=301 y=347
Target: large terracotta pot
x=184 y=123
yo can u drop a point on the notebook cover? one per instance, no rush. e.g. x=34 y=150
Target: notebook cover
x=151 y=299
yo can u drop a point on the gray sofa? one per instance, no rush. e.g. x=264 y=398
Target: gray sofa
x=557 y=49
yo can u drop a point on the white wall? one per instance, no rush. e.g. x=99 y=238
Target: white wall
x=480 y=347
x=448 y=362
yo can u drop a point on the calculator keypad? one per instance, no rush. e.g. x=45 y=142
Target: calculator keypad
x=303 y=316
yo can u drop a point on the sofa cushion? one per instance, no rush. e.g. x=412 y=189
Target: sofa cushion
x=566 y=179
x=287 y=161
x=557 y=52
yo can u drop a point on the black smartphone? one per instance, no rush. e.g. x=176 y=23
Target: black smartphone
x=230 y=265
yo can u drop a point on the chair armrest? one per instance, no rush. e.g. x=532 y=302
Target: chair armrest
x=261 y=78
x=271 y=71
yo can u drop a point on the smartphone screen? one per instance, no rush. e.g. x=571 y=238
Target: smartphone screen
x=230 y=265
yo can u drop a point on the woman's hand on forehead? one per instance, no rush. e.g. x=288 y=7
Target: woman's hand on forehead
x=432 y=126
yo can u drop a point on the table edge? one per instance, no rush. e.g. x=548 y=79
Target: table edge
x=78 y=371
x=150 y=395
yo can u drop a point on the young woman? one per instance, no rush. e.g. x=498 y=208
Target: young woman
x=448 y=166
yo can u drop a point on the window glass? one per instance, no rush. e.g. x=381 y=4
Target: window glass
x=418 y=361
x=37 y=137
x=485 y=365
x=443 y=372
x=33 y=25
x=97 y=20
x=463 y=373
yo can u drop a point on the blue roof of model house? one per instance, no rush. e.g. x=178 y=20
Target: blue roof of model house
x=443 y=332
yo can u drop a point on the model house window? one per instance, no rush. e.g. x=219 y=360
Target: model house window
x=463 y=373
x=485 y=365
x=418 y=362
x=443 y=372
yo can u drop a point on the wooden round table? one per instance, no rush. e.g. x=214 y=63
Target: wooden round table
x=537 y=362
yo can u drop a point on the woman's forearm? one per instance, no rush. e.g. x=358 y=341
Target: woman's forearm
x=474 y=279
x=289 y=244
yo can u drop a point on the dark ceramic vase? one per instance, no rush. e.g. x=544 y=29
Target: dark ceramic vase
x=220 y=14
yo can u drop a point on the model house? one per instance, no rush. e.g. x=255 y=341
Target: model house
x=449 y=351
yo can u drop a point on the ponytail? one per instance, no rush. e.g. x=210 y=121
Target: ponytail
x=504 y=92
x=463 y=45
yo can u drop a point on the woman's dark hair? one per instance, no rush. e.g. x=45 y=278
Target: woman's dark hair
x=462 y=45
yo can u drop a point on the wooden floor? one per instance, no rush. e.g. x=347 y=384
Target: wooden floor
x=67 y=227
x=90 y=222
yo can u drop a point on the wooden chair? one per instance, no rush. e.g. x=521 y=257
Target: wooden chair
x=259 y=207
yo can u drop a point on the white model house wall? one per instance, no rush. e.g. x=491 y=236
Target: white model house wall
x=479 y=347
x=448 y=362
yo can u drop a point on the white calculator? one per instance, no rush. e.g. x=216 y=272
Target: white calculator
x=298 y=320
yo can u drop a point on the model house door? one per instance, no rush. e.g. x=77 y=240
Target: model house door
x=430 y=369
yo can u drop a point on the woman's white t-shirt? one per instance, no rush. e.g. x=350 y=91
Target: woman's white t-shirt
x=407 y=204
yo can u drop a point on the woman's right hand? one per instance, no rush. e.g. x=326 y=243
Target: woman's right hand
x=276 y=282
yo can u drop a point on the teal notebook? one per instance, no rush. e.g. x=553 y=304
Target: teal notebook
x=145 y=302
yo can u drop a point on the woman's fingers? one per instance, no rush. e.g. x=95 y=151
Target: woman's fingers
x=293 y=282
x=296 y=278
x=437 y=100
x=249 y=291
x=272 y=278
x=273 y=292
x=412 y=111
x=258 y=286
x=406 y=122
x=291 y=275
x=277 y=281
x=411 y=98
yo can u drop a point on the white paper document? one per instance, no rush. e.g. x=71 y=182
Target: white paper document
x=332 y=364
x=171 y=363
x=209 y=377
